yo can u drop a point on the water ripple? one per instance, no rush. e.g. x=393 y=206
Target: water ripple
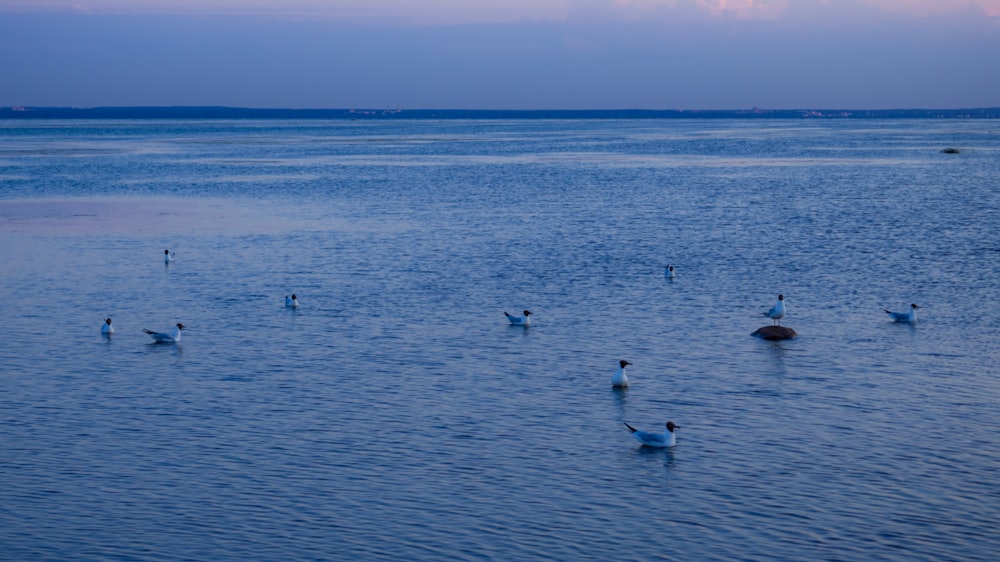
x=396 y=415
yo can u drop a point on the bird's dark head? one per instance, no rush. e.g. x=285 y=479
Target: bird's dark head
x=166 y=251
x=527 y=313
x=623 y=363
x=671 y=426
x=781 y=297
x=107 y=321
x=914 y=306
x=294 y=297
x=180 y=326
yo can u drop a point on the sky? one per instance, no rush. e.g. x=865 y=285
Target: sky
x=502 y=54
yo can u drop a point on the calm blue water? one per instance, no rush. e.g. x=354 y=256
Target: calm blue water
x=396 y=416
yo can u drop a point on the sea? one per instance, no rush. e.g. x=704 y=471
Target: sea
x=397 y=415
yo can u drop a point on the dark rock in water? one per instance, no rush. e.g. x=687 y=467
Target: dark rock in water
x=951 y=151
x=775 y=333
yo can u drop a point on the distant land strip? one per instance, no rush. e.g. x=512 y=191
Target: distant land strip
x=210 y=112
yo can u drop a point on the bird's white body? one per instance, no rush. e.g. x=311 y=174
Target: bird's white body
x=665 y=439
x=292 y=301
x=160 y=337
x=107 y=328
x=777 y=311
x=906 y=317
x=669 y=272
x=620 y=380
x=520 y=320
x=167 y=256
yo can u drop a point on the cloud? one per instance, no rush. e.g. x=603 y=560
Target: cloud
x=404 y=11
x=937 y=7
x=695 y=54
x=450 y=12
x=640 y=10
x=730 y=10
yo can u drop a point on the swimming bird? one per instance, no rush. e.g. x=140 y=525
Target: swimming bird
x=777 y=311
x=168 y=257
x=666 y=439
x=910 y=316
x=620 y=380
x=160 y=337
x=292 y=301
x=107 y=328
x=520 y=320
x=669 y=272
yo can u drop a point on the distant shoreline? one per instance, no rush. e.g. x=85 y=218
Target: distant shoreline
x=211 y=112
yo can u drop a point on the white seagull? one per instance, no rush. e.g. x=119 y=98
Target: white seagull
x=909 y=317
x=520 y=320
x=667 y=439
x=168 y=257
x=777 y=311
x=669 y=272
x=620 y=380
x=160 y=337
x=291 y=301
x=107 y=328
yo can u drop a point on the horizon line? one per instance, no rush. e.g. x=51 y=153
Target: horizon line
x=400 y=108
x=224 y=111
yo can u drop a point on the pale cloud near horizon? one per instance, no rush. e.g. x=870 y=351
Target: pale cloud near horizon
x=504 y=11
